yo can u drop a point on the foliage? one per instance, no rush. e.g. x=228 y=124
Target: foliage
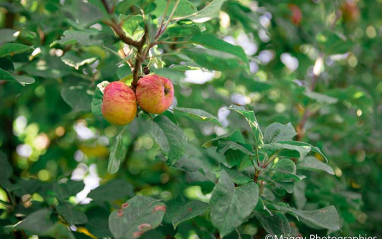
x=275 y=128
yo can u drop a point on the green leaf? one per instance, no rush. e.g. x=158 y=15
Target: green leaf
x=5 y=168
x=299 y=194
x=184 y=8
x=332 y=42
x=303 y=144
x=112 y=190
x=236 y=175
x=85 y=13
x=38 y=222
x=326 y=218
x=182 y=30
x=197 y=114
x=96 y=105
x=124 y=6
x=214 y=59
x=169 y=137
x=284 y=185
x=133 y=26
x=285 y=171
x=140 y=214
x=24 y=80
x=190 y=210
x=51 y=68
x=97 y=220
x=209 y=12
x=252 y=121
x=117 y=153
x=175 y=76
x=278 y=132
x=275 y=223
x=10 y=49
x=320 y=98
x=223 y=147
x=312 y=163
x=86 y=38
x=71 y=215
x=5 y=75
x=235 y=136
x=286 y=149
x=77 y=96
x=68 y=189
x=60 y=230
x=7 y=35
x=230 y=205
x=212 y=42
x=100 y=6
x=71 y=59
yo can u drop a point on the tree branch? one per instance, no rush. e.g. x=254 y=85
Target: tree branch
x=118 y=30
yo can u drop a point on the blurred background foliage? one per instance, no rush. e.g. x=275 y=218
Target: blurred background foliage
x=58 y=149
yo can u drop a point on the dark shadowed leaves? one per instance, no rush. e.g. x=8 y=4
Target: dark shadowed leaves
x=230 y=205
x=169 y=137
x=11 y=49
x=113 y=190
x=189 y=210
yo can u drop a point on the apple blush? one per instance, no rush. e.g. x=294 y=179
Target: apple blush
x=119 y=104
x=154 y=93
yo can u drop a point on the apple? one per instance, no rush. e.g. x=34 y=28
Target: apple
x=155 y=94
x=119 y=104
x=296 y=14
x=350 y=11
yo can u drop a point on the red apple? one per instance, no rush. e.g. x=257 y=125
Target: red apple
x=119 y=104
x=350 y=11
x=154 y=93
x=296 y=14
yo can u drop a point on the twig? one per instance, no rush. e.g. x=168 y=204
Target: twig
x=169 y=18
x=106 y=6
x=161 y=24
x=139 y=59
x=118 y=30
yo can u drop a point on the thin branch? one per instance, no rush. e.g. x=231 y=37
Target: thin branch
x=170 y=17
x=106 y=6
x=161 y=24
x=119 y=31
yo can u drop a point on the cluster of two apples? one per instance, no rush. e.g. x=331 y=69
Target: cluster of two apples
x=154 y=94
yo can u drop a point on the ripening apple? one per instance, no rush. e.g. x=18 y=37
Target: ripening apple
x=350 y=11
x=296 y=14
x=119 y=104
x=154 y=93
